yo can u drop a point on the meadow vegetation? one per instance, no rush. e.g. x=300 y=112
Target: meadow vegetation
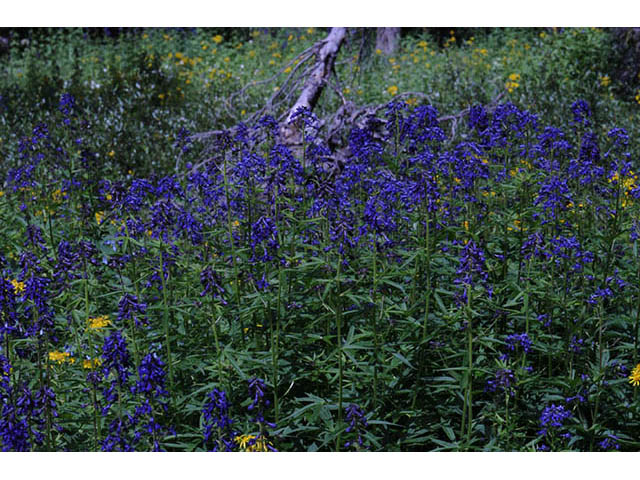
x=468 y=279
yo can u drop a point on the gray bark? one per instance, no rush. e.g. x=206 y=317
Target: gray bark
x=387 y=39
x=317 y=79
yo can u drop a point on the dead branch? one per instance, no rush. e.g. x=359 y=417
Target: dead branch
x=315 y=82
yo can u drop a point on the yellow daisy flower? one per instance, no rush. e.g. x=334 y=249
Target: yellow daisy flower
x=634 y=378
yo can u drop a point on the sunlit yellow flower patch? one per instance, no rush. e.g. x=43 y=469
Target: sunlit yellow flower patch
x=61 y=357
x=18 y=287
x=250 y=443
x=96 y=323
x=91 y=364
x=634 y=378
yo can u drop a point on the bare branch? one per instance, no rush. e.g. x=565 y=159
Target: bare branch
x=316 y=80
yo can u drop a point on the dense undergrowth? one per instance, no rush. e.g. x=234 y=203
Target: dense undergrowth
x=471 y=293
x=139 y=88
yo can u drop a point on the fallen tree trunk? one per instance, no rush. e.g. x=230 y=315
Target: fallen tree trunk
x=315 y=83
x=387 y=39
x=314 y=76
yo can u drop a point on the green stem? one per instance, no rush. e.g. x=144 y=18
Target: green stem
x=165 y=306
x=428 y=293
x=232 y=246
x=427 y=301
x=339 y=344
x=134 y=280
x=275 y=340
x=469 y=366
x=91 y=358
x=374 y=322
x=215 y=337
x=637 y=322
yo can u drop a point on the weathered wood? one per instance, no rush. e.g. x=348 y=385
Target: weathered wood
x=387 y=39
x=316 y=81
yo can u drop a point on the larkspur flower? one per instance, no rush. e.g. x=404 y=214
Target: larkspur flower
x=146 y=420
x=357 y=421
x=116 y=365
x=129 y=308
x=521 y=340
x=67 y=106
x=610 y=442
x=258 y=406
x=553 y=417
x=581 y=112
x=576 y=344
x=218 y=425
x=183 y=140
x=211 y=281
x=472 y=269
x=504 y=381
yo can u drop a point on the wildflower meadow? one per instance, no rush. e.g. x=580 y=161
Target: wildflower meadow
x=458 y=269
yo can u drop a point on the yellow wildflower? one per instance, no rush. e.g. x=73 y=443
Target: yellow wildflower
x=393 y=90
x=57 y=195
x=605 y=81
x=634 y=378
x=18 y=287
x=91 y=364
x=96 y=323
x=511 y=86
x=61 y=357
x=99 y=217
x=251 y=443
x=217 y=39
